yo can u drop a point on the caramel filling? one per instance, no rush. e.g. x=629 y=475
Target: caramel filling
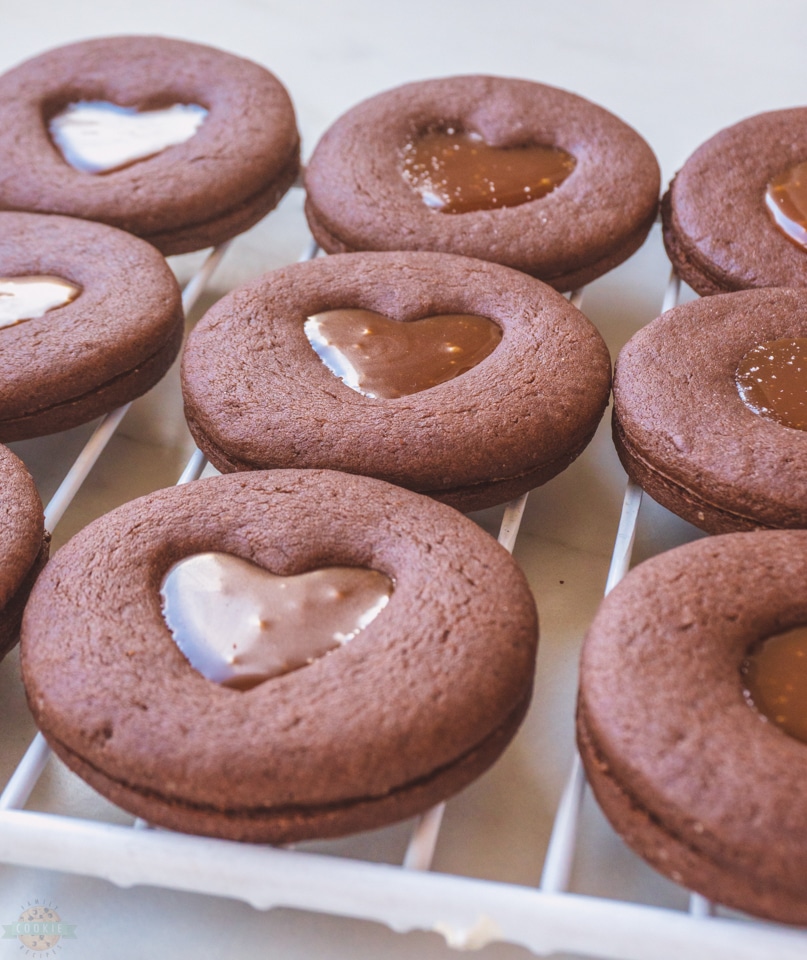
x=786 y=199
x=385 y=358
x=775 y=680
x=772 y=381
x=26 y=298
x=241 y=625
x=457 y=172
x=99 y=137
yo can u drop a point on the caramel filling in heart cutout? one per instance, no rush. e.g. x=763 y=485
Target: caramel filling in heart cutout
x=772 y=381
x=240 y=625
x=457 y=172
x=774 y=676
x=786 y=200
x=27 y=298
x=386 y=359
x=95 y=136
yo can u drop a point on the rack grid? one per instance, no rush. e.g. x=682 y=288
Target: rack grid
x=469 y=913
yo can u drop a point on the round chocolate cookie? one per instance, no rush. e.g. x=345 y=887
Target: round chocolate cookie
x=231 y=172
x=419 y=702
x=684 y=433
x=258 y=396
x=718 y=231
x=114 y=329
x=689 y=774
x=23 y=544
x=360 y=199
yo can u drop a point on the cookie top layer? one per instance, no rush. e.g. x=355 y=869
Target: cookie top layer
x=718 y=232
x=258 y=396
x=679 y=418
x=128 y=310
x=21 y=524
x=661 y=697
x=248 y=140
x=439 y=669
x=358 y=198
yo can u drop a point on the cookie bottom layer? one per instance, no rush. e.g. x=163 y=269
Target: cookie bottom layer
x=683 y=502
x=685 y=260
x=106 y=397
x=11 y=614
x=478 y=496
x=209 y=233
x=562 y=283
x=290 y=824
x=671 y=855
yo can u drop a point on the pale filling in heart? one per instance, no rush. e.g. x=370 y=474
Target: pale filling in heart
x=456 y=171
x=99 y=137
x=241 y=625
x=27 y=298
x=386 y=359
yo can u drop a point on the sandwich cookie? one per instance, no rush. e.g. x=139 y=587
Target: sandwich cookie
x=735 y=216
x=453 y=377
x=690 y=772
x=710 y=410
x=178 y=143
x=280 y=655
x=90 y=318
x=24 y=544
x=505 y=170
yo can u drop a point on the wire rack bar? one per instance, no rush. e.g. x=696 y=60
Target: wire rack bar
x=468 y=913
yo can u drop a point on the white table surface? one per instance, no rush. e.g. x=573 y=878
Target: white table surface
x=678 y=73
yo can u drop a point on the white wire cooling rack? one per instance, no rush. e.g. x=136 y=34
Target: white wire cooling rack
x=469 y=913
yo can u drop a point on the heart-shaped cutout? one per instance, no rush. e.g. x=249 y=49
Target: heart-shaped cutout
x=241 y=625
x=786 y=200
x=772 y=381
x=385 y=358
x=775 y=680
x=457 y=172
x=26 y=298
x=99 y=137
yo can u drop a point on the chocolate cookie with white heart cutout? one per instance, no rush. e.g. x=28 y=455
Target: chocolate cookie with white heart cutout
x=201 y=143
x=24 y=544
x=90 y=318
x=475 y=384
x=506 y=170
x=399 y=673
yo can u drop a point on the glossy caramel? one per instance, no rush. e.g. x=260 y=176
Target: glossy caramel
x=772 y=381
x=386 y=359
x=457 y=172
x=775 y=680
x=786 y=200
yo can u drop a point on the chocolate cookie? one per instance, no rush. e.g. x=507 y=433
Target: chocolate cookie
x=258 y=396
x=419 y=701
x=111 y=327
x=720 y=231
x=691 y=776
x=378 y=178
x=24 y=544
x=682 y=428
x=197 y=192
